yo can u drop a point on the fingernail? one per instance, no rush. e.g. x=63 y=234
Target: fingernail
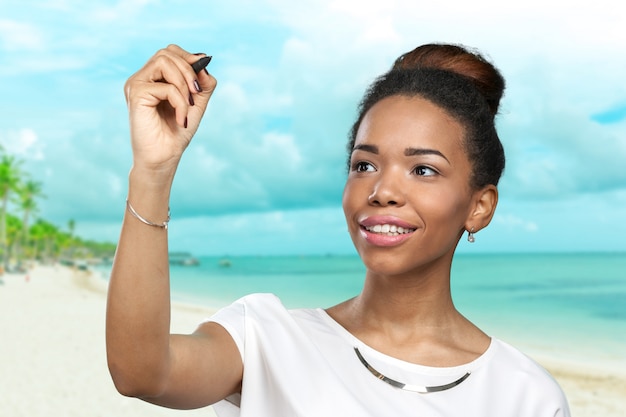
x=199 y=53
x=185 y=124
x=191 y=99
x=197 y=85
x=206 y=71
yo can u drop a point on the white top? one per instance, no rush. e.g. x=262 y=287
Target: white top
x=303 y=363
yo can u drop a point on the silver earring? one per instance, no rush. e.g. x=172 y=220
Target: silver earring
x=470 y=236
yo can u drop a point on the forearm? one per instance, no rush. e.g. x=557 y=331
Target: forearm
x=138 y=305
x=166 y=101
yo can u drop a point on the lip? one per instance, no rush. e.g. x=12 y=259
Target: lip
x=377 y=239
x=374 y=220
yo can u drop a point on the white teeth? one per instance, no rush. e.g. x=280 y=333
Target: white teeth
x=389 y=229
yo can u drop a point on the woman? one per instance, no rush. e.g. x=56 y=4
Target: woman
x=425 y=160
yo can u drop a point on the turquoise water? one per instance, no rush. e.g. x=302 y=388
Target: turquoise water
x=566 y=303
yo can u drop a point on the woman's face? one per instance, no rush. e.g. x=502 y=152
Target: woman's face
x=407 y=197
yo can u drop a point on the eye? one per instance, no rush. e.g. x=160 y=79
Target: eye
x=424 y=171
x=362 y=166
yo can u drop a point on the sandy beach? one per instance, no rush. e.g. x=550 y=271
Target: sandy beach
x=52 y=354
x=53 y=363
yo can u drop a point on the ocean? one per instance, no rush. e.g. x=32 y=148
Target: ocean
x=566 y=304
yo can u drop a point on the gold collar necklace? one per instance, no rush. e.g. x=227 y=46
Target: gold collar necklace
x=422 y=389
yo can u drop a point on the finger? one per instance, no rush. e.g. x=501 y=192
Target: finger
x=151 y=95
x=184 y=61
x=202 y=82
x=207 y=82
x=172 y=65
x=199 y=83
x=167 y=68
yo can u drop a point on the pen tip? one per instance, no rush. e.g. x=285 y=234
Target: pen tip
x=200 y=64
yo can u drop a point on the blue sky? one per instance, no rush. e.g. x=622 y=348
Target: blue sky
x=265 y=172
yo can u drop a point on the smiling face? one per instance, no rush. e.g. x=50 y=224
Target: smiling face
x=408 y=198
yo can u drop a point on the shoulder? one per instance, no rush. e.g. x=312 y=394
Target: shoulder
x=511 y=368
x=261 y=313
x=264 y=306
x=512 y=359
x=253 y=304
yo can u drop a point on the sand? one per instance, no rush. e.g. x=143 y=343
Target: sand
x=53 y=363
x=52 y=351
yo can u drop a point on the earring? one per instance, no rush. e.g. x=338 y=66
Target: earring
x=470 y=236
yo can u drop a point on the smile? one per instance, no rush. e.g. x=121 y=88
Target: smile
x=388 y=229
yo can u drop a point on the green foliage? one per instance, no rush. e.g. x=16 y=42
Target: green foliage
x=19 y=240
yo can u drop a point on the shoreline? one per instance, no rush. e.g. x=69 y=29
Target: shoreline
x=53 y=324
x=95 y=281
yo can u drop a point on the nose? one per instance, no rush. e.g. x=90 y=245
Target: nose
x=387 y=191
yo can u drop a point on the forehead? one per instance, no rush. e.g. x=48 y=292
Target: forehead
x=400 y=121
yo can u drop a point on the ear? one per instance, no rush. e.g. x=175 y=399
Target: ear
x=484 y=202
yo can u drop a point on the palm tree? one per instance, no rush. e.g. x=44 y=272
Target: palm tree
x=42 y=233
x=9 y=182
x=71 y=225
x=14 y=231
x=28 y=192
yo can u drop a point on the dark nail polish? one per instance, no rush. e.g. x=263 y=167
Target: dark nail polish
x=207 y=71
x=197 y=85
x=191 y=99
x=199 y=53
x=185 y=124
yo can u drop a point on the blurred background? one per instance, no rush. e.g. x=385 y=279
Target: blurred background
x=256 y=204
x=264 y=174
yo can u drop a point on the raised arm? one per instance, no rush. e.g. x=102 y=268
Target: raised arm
x=166 y=101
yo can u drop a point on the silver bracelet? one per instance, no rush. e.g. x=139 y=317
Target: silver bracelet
x=148 y=222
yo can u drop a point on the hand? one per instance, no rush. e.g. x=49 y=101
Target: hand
x=165 y=108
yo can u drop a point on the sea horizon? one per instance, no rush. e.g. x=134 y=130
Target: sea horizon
x=570 y=304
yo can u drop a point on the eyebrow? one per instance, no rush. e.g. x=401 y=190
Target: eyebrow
x=407 y=152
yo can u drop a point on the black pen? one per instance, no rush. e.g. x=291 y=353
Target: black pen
x=201 y=64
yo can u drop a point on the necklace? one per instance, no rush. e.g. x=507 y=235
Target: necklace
x=422 y=389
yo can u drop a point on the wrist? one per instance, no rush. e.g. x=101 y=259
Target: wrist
x=149 y=191
x=161 y=225
x=153 y=179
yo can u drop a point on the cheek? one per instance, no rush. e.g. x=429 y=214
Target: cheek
x=445 y=206
x=347 y=199
x=349 y=204
x=354 y=198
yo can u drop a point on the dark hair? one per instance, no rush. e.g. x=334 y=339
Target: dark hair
x=462 y=83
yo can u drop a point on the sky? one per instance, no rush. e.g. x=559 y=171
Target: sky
x=265 y=172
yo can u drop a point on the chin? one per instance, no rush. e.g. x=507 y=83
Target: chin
x=385 y=263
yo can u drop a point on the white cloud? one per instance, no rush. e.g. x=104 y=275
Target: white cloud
x=290 y=74
x=512 y=221
x=376 y=21
x=16 y=36
x=274 y=232
x=233 y=97
x=23 y=143
x=554 y=148
x=281 y=148
x=116 y=185
x=122 y=10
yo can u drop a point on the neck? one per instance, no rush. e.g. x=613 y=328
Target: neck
x=412 y=301
x=412 y=317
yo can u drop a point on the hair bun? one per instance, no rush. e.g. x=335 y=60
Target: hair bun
x=460 y=60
